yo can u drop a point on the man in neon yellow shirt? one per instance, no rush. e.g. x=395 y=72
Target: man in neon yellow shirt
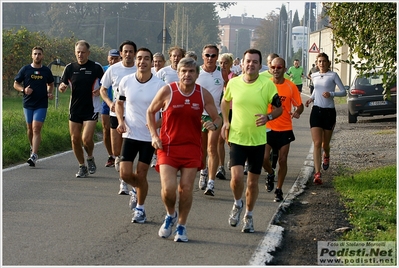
x=251 y=94
x=296 y=74
x=269 y=73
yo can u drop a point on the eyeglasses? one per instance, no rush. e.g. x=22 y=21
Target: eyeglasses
x=210 y=55
x=277 y=67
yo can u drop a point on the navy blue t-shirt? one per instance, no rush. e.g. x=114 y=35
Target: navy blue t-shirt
x=37 y=79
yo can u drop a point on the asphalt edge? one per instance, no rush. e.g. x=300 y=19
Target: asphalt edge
x=274 y=233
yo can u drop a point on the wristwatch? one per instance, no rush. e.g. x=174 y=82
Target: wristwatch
x=270 y=117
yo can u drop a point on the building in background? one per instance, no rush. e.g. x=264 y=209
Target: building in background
x=237 y=33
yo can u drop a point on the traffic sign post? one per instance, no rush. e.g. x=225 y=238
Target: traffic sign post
x=314 y=49
x=57 y=68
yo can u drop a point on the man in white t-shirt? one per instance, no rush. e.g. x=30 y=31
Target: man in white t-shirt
x=211 y=78
x=112 y=77
x=168 y=74
x=136 y=92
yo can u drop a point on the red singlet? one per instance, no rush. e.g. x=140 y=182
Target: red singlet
x=181 y=129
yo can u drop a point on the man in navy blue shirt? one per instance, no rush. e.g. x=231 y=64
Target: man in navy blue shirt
x=36 y=83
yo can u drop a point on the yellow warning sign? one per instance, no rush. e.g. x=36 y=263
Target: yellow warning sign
x=314 y=49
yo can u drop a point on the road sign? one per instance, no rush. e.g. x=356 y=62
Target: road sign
x=314 y=49
x=168 y=38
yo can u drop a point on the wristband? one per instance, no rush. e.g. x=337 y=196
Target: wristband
x=216 y=126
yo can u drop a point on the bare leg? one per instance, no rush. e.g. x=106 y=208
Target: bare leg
x=75 y=130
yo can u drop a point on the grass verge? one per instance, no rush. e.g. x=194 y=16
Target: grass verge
x=370 y=199
x=55 y=131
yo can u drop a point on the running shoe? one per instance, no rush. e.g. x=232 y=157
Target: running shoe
x=221 y=173
x=83 y=172
x=269 y=181
x=139 y=216
x=32 y=160
x=117 y=162
x=203 y=180
x=181 y=234
x=326 y=162
x=210 y=188
x=278 y=195
x=153 y=160
x=317 y=178
x=91 y=165
x=133 y=198
x=110 y=161
x=123 y=189
x=166 y=229
x=234 y=218
x=246 y=168
x=248 y=225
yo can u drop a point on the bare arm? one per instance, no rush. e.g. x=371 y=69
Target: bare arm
x=159 y=101
x=62 y=87
x=108 y=101
x=225 y=106
x=119 y=110
x=210 y=108
x=50 y=90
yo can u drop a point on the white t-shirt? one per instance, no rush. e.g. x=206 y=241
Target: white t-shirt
x=138 y=98
x=97 y=99
x=168 y=75
x=113 y=76
x=214 y=83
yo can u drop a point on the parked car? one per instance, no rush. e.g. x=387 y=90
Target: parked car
x=365 y=98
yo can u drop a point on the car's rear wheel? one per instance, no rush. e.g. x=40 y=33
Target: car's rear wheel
x=352 y=118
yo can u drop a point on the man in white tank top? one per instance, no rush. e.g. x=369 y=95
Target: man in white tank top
x=211 y=78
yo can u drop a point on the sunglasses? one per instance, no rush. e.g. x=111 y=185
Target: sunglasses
x=210 y=55
x=277 y=67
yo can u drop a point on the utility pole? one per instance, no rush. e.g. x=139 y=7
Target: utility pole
x=164 y=29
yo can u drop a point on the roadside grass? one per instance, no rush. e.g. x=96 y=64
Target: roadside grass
x=55 y=131
x=370 y=200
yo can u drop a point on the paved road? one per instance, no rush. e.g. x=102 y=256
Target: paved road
x=52 y=218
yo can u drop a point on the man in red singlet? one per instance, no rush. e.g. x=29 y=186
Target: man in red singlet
x=179 y=143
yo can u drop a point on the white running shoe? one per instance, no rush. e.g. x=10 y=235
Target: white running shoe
x=153 y=161
x=123 y=189
x=248 y=225
x=139 y=216
x=166 y=229
x=234 y=218
x=203 y=180
x=181 y=234
x=133 y=198
x=32 y=160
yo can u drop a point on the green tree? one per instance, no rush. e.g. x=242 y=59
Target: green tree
x=295 y=20
x=369 y=29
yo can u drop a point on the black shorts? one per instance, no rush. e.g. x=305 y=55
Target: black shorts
x=277 y=139
x=77 y=118
x=324 y=118
x=299 y=87
x=113 y=122
x=131 y=147
x=239 y=154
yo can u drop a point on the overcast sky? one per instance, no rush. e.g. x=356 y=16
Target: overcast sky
x=260 y=8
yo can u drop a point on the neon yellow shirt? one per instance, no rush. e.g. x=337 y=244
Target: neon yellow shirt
x=267 y=74
x=249 y=99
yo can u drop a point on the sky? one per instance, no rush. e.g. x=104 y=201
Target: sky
x=260 y=8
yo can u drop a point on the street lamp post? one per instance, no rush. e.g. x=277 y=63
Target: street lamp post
x=236 y=43
x=279 y=32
